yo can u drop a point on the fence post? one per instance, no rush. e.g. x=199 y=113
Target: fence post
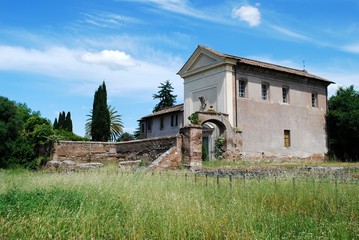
x=206 y=179
x=230 y=181
x=217 y=179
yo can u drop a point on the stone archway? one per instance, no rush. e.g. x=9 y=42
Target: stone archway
x=210 y=121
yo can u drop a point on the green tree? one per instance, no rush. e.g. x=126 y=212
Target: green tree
x=125 y=137
x=100 y=125
x=165 y=95
x=61 y=121
x=33 y=122
x=343 y=124
x=136 y=134
x=24 y=135
x=40 y=132
x=56 y=124
x=116 y=125
x=64 y=122
x=11 y=125
x=25 y=112
x=68 y=122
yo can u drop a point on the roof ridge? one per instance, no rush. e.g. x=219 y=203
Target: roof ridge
x=165 y=110
x=273 y=64
x=268 y=65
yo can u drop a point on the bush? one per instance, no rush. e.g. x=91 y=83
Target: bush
x=205 y=156
x=219 y=148
x=60 y=134
x=194 y=119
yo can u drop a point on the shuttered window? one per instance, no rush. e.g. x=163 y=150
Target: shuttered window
x=242 y=88
x=287 y=138
x=285 y=93
x=265 y=91
x=314 y=100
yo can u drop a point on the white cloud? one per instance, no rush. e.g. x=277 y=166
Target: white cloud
x=83 y=71
x=107 y=19
x=353 y=48
x=184 y=7
x=248 y=14
x=289 y=33
x=113 y=59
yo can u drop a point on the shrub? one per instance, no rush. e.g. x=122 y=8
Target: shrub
x=205 y=156
x=219 y=148
x=194 y=119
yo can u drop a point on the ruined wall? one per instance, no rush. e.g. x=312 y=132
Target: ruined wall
x=159 y=153
x=192 y=147
x=146 y=150
x=171 y=159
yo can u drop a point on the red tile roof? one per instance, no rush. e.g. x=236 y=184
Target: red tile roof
x=176 y=108
x=265 y=65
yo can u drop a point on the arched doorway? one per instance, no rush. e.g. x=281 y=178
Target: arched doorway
x=212 y=129
x=210 y=132
x=215 y=125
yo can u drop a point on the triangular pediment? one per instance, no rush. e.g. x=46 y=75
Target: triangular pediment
x=201 y=61
x=201 y=58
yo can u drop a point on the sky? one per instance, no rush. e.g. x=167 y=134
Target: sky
x=55 y=54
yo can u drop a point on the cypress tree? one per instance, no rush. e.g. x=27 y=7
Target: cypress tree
x=68 y=122
x=56 y=125
x=100 y=126
x=61 y=122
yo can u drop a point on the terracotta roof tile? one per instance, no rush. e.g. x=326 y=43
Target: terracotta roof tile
x=271 y=66
x=176 y=108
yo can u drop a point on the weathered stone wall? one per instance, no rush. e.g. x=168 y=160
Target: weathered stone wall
x=146 y=150
x=192 y=147
x=159 y=153
x=171 y=159
x=84 y=151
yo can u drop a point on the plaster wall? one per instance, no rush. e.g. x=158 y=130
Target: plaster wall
x=215 y=85
x=263 y=122
x=167 y=130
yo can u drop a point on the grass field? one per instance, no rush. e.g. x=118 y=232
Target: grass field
x=111 y=204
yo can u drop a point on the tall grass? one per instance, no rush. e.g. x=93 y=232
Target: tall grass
x=120 y=205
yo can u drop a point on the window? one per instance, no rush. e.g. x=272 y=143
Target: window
x=265 y=88
x=285 y=94
x=242 y=88
x=287 y=138
x=314 y=100
x=161 y=123
x=149 y=125
x=174 y=120
x=142 y=127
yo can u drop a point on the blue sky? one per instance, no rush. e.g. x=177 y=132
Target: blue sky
x=55 y=54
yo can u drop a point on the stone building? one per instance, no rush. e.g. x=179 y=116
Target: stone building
x=261 y=109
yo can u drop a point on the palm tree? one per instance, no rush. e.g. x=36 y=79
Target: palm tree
x=116 y=125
